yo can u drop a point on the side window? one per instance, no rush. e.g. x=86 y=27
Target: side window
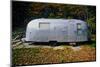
x=44 y=25
x=79 y=28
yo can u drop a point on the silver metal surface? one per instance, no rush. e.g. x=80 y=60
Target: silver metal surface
x=61 y=30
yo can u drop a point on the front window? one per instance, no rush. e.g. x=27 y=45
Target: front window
x=44 y=25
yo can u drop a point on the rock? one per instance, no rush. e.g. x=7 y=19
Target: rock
x=76 y=48
x=59 y=47
x=16 y=37
x=23 y=39
x=15 y=41
x=18 y=43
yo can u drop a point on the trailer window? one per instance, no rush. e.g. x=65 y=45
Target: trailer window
x=44 y=25
x=79 y=26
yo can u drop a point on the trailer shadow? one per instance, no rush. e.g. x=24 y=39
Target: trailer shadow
x=53 y=44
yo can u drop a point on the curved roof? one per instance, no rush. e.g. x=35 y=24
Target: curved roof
x=54 y=20
x=34 y=22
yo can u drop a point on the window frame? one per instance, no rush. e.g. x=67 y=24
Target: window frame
x=79 y=28
x=44 y=24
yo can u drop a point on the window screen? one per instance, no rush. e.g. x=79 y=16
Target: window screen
x=44 y=25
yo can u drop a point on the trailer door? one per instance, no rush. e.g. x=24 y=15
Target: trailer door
x=71 y=32
x=44 y=29
x=58 y=32
x=80 y=32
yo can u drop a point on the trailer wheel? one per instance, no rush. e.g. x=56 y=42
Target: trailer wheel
x=53 y=43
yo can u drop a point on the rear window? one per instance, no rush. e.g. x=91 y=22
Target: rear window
x=79 y=26
x=44 y=25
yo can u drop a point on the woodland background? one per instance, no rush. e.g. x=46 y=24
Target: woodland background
x=23 y=12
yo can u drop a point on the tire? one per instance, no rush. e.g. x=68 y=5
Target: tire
x=53 y=43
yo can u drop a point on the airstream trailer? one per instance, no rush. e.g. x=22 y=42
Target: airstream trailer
x=59 y=30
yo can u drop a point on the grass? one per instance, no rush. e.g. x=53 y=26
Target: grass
x=23 y=55
x=93 y=45
x=26 y=56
